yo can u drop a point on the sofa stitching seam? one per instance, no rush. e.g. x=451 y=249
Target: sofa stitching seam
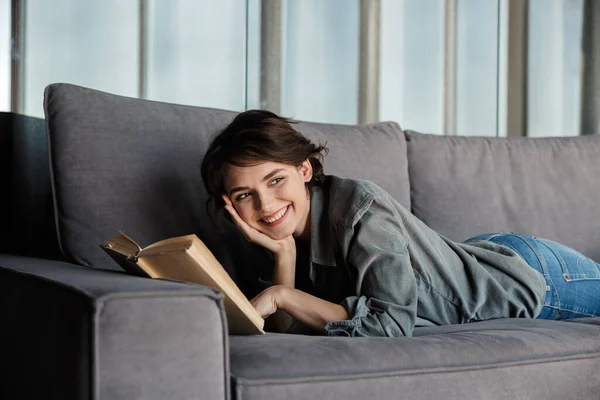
x=392 y=374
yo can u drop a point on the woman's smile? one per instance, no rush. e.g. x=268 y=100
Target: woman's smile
x=276 y=218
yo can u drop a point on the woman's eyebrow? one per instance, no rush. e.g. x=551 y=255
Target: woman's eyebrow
x=270 y=174
x=266 y=178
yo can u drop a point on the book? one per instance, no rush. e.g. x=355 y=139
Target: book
x=186 y=258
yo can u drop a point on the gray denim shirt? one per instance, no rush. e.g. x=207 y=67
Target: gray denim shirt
x=392 y=272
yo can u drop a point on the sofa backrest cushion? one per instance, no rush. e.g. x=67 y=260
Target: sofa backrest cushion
x=547 y=187
x=127 y=164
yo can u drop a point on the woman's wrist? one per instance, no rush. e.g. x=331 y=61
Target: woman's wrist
x=285 y=258
x=281 y=295
x=286 y=249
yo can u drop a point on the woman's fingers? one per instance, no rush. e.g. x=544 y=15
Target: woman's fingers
x=228 y=203
x=236 y=217
x=250 y=233
x=246 y=230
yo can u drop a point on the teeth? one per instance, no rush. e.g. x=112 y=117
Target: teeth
x=276 y=217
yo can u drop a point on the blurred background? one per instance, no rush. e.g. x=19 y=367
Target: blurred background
x=467 y=67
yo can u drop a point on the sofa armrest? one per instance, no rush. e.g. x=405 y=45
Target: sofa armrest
x=70 y=332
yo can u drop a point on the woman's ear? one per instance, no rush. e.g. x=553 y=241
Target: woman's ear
x=306 y=170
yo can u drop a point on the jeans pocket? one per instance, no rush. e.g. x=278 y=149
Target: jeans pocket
x=583 y=269
x=575 y=266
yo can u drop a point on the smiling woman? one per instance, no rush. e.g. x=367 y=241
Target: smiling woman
x=262 y=171
x=350 y=260
x=276 y=204
x=260 y=150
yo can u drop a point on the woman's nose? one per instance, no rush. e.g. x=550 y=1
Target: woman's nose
x=263 y=201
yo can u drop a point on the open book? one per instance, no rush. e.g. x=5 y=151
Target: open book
x=186 y=258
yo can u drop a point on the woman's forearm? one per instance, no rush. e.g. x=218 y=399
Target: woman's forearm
x=285 y=269
x=310 y=310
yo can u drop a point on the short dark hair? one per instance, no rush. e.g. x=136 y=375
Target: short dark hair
x=253 y=137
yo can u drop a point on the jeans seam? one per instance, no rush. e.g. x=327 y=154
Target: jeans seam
x=537 y=254
x=566 y=271
x=561 y=261
x=568 y=310
x=545 y=272
x=579 y=259
x=545 y=269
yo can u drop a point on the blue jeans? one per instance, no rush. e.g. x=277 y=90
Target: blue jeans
x=572 y=279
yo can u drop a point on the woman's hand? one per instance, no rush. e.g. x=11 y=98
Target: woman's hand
x=267 y=301
x=306 y=308
x=278 y=247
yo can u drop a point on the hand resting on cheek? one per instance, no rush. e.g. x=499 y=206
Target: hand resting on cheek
x=255 y=236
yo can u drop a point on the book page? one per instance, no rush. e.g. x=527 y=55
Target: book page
x=171 y=244
x=122 y=244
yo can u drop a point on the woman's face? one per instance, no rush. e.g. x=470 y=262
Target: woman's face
x=271 y=197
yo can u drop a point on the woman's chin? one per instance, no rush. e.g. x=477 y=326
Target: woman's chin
x=277 y=235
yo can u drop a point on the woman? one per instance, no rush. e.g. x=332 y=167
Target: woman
x=350 y=260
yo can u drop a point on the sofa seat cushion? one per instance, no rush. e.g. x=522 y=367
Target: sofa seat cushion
x=500 y=359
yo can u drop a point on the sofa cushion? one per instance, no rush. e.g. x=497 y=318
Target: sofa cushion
x=547 y=187
x=500 y=359
x=131 y=164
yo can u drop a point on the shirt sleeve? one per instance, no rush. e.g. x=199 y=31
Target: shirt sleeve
x=386 y=300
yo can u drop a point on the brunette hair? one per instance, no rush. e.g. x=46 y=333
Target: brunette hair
x=253 y=137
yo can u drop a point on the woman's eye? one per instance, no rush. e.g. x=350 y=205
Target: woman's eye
x=243 y=196
x=276 y=181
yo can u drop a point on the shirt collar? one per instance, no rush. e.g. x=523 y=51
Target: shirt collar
x=321 y=235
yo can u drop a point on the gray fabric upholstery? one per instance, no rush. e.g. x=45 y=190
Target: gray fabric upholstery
x=548 y=187
x=71 y=332
x=133 y=165
x=376 y=152
x=26 y=209
x=501 y=359
x=5 y=178
x=130 y=164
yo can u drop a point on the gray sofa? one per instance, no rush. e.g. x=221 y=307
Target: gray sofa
x=74 y=326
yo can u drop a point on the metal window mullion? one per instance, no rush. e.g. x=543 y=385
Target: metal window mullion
x=368 y=75
x=143 y=49
x=502 y=68
x=449 y=80
x=270 y=55
x=17 y=53
x=516 y=80
x=590 y=69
